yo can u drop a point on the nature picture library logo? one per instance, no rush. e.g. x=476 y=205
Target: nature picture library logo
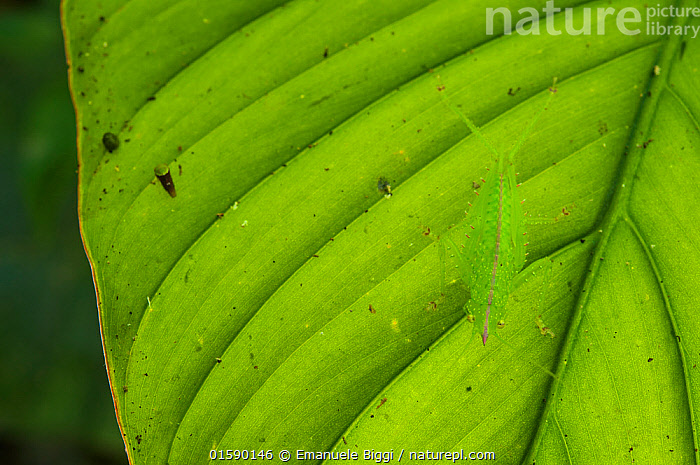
x=588 y=21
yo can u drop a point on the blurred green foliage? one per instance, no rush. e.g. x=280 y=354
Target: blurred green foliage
x=54 y=402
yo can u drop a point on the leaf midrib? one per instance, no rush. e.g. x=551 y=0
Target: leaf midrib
x=618 y=211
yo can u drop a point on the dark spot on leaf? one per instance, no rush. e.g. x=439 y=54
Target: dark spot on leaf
x=110 y=141
x=163 y=174
x=384 y=186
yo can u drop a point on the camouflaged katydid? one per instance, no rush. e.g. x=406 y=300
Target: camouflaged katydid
x=491 y=253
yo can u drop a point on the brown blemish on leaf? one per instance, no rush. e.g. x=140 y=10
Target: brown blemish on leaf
x=163 y=174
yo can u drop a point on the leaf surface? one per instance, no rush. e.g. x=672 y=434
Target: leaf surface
x=282 y=301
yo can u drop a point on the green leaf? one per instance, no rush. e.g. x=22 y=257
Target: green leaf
x=283 y=300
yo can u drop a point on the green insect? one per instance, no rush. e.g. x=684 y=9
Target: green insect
x=490 y=251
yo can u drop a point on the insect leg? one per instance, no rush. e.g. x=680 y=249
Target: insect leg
x=539 y=220
x=544 y=330
x=442 y=254
x=565 y=211
x=546 y=265
x=462 y=264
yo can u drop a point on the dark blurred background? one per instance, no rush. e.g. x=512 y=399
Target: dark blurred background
x=55 y=406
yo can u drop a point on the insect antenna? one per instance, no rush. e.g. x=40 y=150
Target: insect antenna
x=527 y=359
x=552 y=90
x=470 y=124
